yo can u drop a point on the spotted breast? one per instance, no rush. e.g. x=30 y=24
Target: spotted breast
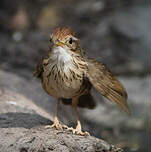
x=63 y=74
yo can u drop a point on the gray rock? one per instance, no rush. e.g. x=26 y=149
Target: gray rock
x=106 y=121
x=22 y=124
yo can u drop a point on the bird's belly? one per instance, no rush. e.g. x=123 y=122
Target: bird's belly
x=62 y=86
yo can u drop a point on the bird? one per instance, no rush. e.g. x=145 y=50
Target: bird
x=68 y=75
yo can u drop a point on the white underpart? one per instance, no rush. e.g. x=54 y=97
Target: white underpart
x=62 y=57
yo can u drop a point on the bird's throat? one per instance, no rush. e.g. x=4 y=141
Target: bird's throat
x=61 y=54
x=62 y=57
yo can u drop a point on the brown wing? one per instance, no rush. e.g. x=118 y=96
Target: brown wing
x=39 y=68
x=107 y=84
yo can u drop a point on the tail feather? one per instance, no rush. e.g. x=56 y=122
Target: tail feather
x=85 y=101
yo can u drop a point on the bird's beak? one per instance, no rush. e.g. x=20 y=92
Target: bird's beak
x=59 y=44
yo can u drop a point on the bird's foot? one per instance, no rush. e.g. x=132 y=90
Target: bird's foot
x=78 y=131
x=56 y=124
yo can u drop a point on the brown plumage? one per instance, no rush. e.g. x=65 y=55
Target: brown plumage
x=68 y=75
x=61 y=33
x=107 y=84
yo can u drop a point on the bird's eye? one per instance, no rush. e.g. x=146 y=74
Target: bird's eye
x=70 y=40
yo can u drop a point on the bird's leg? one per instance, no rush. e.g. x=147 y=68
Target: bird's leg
x=56 y=122
x=78 y=129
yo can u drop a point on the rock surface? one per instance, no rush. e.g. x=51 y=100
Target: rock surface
x=25 y=105
x=22 y=128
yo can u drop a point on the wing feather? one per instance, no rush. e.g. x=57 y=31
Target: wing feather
x=107 y=84
x=39 y=68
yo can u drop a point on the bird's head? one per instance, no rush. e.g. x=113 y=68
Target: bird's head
x=65 y=38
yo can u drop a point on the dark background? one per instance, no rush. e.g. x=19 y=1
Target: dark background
x=116 y=32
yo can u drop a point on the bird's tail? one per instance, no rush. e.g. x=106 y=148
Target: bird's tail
x=85 y=101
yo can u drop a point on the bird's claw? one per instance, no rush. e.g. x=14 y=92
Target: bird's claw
x=56 y=125
x=78 y=132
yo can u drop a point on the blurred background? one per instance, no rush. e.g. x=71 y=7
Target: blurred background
x=116 y=32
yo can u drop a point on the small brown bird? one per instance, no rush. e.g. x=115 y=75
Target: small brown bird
x=68 y=75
